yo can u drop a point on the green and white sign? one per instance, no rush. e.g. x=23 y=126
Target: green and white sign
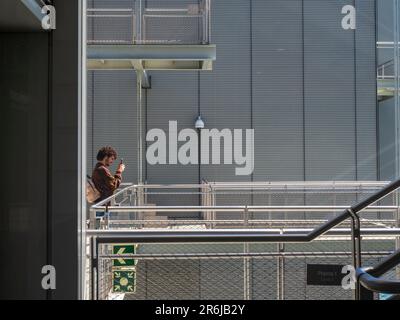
x=124 y=281
x=124 y=249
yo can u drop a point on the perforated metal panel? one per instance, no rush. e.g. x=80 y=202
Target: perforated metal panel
x=112 y=118
x=225 y=100
x=366 y=91
x=278 y=90
x=173 y=97
x=110 y=21
x=329 y=82
x=170 y=25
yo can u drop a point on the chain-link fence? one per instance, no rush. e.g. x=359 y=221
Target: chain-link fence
x=228 y=271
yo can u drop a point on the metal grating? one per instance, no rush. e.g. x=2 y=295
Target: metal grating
x=148 y=22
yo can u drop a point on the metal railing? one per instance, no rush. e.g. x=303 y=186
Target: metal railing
x=369 y=278
x=245 y=236
x=150 y=22
x=267 y=204
x=385 y=71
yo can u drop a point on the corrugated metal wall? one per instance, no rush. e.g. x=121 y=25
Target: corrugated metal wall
x=329 y=93
x=366 y=106
x=286 y=69
x=112 y=117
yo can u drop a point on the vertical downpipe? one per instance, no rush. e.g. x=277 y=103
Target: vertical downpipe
x=396 y=81
x=396 y=101
x=82 y=152
x=139 y=75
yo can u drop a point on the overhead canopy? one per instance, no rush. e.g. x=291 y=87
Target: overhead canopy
x=150 y=57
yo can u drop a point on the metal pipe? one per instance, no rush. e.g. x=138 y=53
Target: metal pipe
x=376 y=284
x=300 y=184
x=385 y=265
x=225 y=235
x=165 y=10
x=232 y=209
x=172 y=16
x=377 y=196
x=139 y=75
x=108 y=10
x=109 y=16
x=254 y=221
x=239 y=255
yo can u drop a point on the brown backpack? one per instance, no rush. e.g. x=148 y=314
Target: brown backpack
x=92 y=194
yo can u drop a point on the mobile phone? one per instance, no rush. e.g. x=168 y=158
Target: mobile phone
x=122 y=161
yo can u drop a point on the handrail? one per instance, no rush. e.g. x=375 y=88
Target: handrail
x=385 y=265
x=369 y=277
x=377 y=284
x=240 y=209
x=223 y=235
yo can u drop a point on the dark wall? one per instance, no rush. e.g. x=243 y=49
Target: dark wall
x=64 y=149
x=23 y=196
x=39 y=131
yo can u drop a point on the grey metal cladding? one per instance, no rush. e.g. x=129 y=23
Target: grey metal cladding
x=278 y=90
x=114 y=114
x=91 y=156
x=329 y=93
x=225 y=100
x=173 y=97
x=387 y=144
x=366 y=90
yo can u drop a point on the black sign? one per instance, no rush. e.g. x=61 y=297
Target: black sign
x=324 y=275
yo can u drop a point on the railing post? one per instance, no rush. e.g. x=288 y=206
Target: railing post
x=246 y=216
x=359 y=293
x=246 y=273
x=92 y=219
x=138 y=21
x=209 y=202
x=397 y=245
x=281 y=248
x=94 y=267
x=213 y=213
x=208 y=21
x=397 y=224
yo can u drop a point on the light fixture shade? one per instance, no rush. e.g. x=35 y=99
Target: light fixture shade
x=199 y=124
